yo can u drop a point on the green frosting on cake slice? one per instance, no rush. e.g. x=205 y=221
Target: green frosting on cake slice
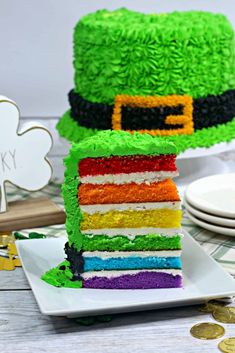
x=60 y=276
x=121 y=143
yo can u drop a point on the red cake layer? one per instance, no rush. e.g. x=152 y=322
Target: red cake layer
x=126 y=164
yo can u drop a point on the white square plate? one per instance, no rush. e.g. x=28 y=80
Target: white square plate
x=204 y=279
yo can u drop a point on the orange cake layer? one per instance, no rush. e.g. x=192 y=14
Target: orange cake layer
x=90 y=194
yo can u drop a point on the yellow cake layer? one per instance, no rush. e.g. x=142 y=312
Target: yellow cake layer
x=159 y=218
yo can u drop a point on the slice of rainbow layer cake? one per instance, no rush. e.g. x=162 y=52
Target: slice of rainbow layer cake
x=123 y=214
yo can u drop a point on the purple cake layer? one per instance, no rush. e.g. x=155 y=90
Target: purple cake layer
x=141 y=280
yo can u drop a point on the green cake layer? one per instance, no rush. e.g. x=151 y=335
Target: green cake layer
x=126 y=52
x=106 y=143
x=206 y=137
x=149 y=242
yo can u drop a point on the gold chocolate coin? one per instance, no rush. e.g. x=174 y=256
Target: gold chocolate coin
x=6 y=239
x=224 y=314
x=227 y=345
x=210 y=306
x=207 y=331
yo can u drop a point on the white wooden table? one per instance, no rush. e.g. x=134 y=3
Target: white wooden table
x=24 y=329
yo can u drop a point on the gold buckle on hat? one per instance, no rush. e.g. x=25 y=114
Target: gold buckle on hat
x=186 y=119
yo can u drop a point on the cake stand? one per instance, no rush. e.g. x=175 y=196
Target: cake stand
x=200 y=162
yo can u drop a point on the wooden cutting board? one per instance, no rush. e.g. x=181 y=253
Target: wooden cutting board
x=31 y=213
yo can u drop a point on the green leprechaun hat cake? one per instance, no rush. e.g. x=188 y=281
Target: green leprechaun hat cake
x=169 y=75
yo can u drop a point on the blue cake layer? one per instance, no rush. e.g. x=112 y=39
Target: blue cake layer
x=130 y=263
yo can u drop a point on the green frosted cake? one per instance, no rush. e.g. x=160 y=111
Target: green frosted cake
x=170 y=75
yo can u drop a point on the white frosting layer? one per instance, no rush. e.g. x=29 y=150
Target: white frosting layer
x=103 y=208
x=109 y=274
x=123 y=178
x=125 y=254
x=131 y=233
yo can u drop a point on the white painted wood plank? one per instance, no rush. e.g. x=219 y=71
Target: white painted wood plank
x=24 y=329
x=13 y=280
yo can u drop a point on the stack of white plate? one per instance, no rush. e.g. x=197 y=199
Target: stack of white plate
x=210 y=203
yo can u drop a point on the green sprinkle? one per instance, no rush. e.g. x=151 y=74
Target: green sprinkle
x=86 y=321
x=32 y=235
